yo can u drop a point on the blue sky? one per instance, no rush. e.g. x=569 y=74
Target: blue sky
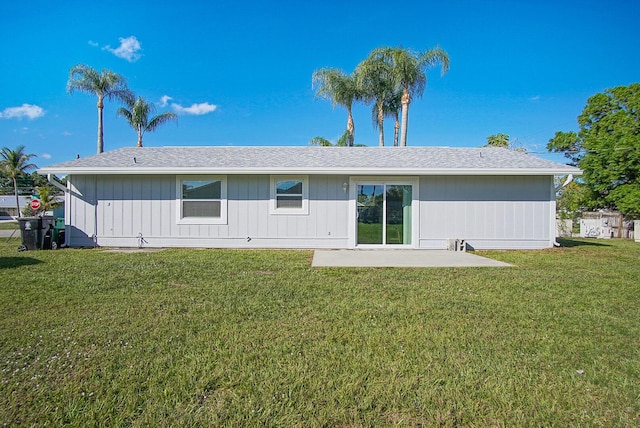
x=239 y=73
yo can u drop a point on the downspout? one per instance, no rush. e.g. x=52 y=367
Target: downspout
x=95 y=211
x=54 y=181
x=556 y=190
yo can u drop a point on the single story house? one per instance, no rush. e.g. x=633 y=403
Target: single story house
x=310 y=197
x=8 y=209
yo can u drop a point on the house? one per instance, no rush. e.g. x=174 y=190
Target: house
x=8 y=209
x=310 y=197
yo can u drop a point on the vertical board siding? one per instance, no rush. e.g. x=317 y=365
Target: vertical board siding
x=485 y=209
x=81 y=215
x=131 y=205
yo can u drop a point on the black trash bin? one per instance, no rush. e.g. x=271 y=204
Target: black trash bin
x=58 y=234
x=48 y=225
x=31 y=233
x=36 y=232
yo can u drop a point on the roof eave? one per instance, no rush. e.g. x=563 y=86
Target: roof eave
x=309 y=171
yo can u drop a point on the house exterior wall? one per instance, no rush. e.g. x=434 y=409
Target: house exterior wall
x=80 y=211
x=501 y=212
x=140 y=207
x=489 y=212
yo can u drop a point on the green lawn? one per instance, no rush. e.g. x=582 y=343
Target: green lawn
x=9 y=225
x=223 y=337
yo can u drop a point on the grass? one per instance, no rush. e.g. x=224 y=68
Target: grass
x=371 y=233
x=223 y=337
x=9 y=225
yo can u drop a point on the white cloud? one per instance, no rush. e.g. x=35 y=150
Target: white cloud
x=129 y=49
x=66 y=134
x=195 y=109
x=29 y=111
x=164 y=100
x=45 y=156
x=94 y=44
x=536 y=98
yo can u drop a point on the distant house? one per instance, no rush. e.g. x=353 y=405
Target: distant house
x=8 y=209
x=311 y=197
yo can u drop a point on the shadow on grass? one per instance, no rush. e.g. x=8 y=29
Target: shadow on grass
x=12 y=262
x=569 y=243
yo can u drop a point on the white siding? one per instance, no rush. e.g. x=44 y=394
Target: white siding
x=129 y=206
x=80 y=213
x=487 y=211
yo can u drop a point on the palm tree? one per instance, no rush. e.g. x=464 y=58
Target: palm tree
x=409 y=69
x=320 y=142
x=15 y=163
x=341 y=89
x=376 y=82
x=498 y=140
x=47 y=200
x=342 y=141
x=103 y=84
x=392 y=107
x=137 y=115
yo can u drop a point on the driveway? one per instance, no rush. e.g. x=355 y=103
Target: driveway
x=7 y=233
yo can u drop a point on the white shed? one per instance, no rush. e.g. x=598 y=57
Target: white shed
x=310 y=197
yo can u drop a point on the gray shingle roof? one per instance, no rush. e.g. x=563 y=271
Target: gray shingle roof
x=310 y=160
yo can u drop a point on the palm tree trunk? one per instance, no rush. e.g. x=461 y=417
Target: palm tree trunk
x=381 y=124
x=139 y=136
x=351 y=128
x=396 y=129
x=15 y=191
x=406 y=99
x=100 y=133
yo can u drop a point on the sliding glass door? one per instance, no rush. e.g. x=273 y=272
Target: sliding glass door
x=384 y=214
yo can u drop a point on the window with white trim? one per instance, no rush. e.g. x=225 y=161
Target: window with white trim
x=289 y=195
x=202 y=199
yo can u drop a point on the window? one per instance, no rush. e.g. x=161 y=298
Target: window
x=202 y=200
x=289 y=195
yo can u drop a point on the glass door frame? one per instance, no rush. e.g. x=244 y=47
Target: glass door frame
x=354 y=182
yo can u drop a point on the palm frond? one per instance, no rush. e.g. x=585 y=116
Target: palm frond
x=137 y=112
x=161 y=119
x=335 y=85
x=436 y=56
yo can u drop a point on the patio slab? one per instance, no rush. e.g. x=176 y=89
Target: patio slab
x=400 y=258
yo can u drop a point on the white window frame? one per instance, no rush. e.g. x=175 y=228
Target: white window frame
x=202 y=220
x=273 y=206
x=384 y=180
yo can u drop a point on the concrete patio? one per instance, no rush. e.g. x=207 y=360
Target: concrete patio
x=400 y=258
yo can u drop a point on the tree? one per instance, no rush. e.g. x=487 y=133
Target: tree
x=137 y=115
x=573 y=199
x=341 y=89
x=342 y=141
x=392 y=108
x=321 y=142
x=607 y=148
x=409 y=70
x=498 y=140
x=47 y=199
x=504 y=141
x=105 y=84
x=374 y=77
x=15 y=163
